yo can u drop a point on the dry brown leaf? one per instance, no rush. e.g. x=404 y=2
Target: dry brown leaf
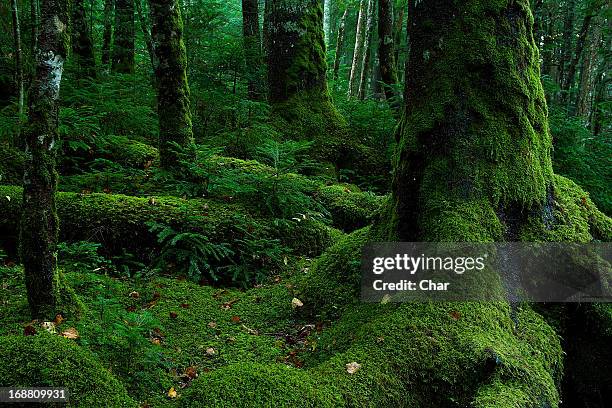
x=353 y=367
x=236 y=319
x=71 y=333
x=58 y=319
x=191 y=372
x=210 y=351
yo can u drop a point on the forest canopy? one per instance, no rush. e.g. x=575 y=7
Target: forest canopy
x=187 y=188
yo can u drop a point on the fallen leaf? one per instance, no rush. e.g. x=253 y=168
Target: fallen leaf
x=212 y=325
x=191 y=372
x=236 y=319
x=185 y=305
x=353 y=367
x=173 y=315
x=455 y=315
x=71 y=333
x=210 y=351
x=29 y=330
x=172 y=393
x=49 y=326
x=156 y=341
x=295 y=303
x=134 y=295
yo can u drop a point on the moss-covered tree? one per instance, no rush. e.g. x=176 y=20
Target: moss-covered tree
x=171 y=77
x=82 y=44
x=297 y=76
x=123 y=41
x=39 y=222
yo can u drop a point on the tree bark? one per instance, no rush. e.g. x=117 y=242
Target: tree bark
x=467 y=168
x=386 y=49
x=144 y=27
x=568 y=33
x=82 y=44
x=365 y=64
x=173 y=105
x=107 y=34
x=589 y=64
x=39 y=223
x=357 y=51
x=568 y=80
x=123 y=46
x=34 y=18
x=397 y=31
x=327 y=11
x=19 y=85
x=340 y=43
x=252 y=49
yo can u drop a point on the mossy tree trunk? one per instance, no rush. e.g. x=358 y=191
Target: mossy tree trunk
x=340 y=43
x=107 y=34
x=123 y=42
x=386 y=49
x=473 y=159
x=171 y=73
x=252 y=48
x=367 y=51
x=39 y=223
x=18 y=62
x=82 y=44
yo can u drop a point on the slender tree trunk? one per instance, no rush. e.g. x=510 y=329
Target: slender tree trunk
x=340 y=43
x=39 y=223
x=327 y=11
x=462 y=172
x=107 y=35
x=123 y=46
x=82 y=44
x=175 y=125
x=568 y=34
x=386 y=50
x=571 y=70
x=252 y=49
x=34 y=17
x=589 y=64
x=397 y=31
x=18 y=64
x=144 y=27
x=367 y=52
x=358 y=50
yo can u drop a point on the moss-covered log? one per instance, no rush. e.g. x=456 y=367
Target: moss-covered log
x=124 y=37
x=119 y=222
x=171 y=75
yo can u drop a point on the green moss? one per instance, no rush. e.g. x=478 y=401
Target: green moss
x=258 y=385
x=125 y=151
x=52 y=361
x=350 y=209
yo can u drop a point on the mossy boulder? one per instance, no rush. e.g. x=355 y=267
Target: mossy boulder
x=350 y=210
x=52 y=361
x=260 y=385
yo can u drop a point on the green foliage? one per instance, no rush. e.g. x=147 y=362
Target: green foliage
x=189 y=251
x=82 y=255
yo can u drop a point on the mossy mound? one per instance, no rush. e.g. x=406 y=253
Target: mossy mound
x=259 y=385
x=350 y=210
x=125 y=151
x=52 y=361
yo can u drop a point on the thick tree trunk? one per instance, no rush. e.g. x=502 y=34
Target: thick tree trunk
x=340 y=43
x=144 y=27
x=471 y=166
x=386 y=49
x=123 y=44
x=252 y=49
x=327 y=11
x=357 y=51
x=107 y=35
x=367 y=52
x=39 y=224
x=175 y=125
x=18 y=63
x=82 y=44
